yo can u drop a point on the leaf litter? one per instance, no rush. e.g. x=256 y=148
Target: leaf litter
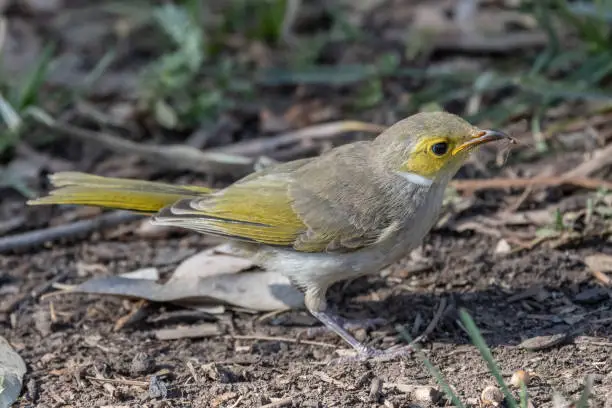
x=210 y=278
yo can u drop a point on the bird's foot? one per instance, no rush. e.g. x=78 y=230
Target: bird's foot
x=346 y=324
x=365 y=353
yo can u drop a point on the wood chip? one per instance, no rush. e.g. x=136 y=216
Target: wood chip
x=183 y=332
x=421 y=393
x=543 y=342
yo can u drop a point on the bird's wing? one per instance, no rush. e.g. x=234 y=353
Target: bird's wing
x=256 y=208
x=326 y=204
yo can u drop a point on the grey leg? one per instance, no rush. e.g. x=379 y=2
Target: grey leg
x=315 y=303
x=347 y=325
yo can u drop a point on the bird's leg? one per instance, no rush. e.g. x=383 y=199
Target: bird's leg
x=347 y=325
x=335 y=324
x=315 y=303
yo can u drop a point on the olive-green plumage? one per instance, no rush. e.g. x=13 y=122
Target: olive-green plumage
x=348 y=212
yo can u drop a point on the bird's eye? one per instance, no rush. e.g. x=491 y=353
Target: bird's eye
x=439 y=149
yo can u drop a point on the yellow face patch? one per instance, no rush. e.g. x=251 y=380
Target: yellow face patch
x=429 y=157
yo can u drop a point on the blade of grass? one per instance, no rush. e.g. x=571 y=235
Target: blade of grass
x=98 y=71
x=27 y=93
x=430 y=367
x=524 y=396
x=485 y=352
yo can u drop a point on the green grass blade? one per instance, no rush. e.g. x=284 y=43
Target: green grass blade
x=446 y=388
x=485 y=352
x=27 y=93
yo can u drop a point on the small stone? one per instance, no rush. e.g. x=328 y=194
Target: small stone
x=473 y=402
x=427 y=394
x=361 y=334
x=375 y=389
x=491 y=396
x=520 y=377
x=503 y=247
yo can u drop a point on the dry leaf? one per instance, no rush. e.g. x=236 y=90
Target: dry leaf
x=208 y=278
x=12 y=370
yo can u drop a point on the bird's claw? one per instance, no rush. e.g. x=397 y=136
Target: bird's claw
x=366 y=353
x=366 y=324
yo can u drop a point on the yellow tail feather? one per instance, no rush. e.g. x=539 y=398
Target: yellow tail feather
x=117 y=193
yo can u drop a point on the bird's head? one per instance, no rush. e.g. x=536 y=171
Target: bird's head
x=430 y=146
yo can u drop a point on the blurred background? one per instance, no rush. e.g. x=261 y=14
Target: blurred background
x=208 y=74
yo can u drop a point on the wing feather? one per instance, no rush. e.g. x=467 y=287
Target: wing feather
x=254 y=211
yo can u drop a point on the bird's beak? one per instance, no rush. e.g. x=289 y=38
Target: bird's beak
x=484 y=136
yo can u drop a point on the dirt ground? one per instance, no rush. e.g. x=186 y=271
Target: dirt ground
x=78 y=357
x=64 y=357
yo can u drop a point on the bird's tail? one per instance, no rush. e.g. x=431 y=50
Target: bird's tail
x=124 y=194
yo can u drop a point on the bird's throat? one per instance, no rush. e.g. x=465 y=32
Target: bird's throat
x=416 y=178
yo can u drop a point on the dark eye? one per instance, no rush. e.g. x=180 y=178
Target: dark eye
x=439 y=149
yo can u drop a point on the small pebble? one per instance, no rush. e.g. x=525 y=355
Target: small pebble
x=503 y=247
x=427 y=394
x=375 y=389
x=520 y=377
x=491 y=396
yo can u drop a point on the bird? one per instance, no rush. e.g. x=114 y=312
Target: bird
x=348 y=212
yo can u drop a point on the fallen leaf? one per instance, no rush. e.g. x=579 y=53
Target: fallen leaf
x=12 y=370
x=209 y=278
x=211 y=262
x=144 y=273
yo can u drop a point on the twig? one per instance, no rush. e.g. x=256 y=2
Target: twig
x=601 y=158
x=601 y=277
x=280 y=403
x=432 y=324
x=174 y=156
x=264 y=145
x=237 y=159
x=326 y=378
x=83 y=227
x=119 y=381
x=585 y=182
x=282 y=339
x=240 y=398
